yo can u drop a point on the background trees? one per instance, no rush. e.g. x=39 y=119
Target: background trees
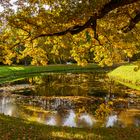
x=103 y=31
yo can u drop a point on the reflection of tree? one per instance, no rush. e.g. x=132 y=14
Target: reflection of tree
x=130 y=117
x=63 y=84
x=104 y=110
x=93 y=84
x=111 y=88
x=76 y=84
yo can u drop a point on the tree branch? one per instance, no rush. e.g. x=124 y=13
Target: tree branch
x=132 y=23
x=113 y=4
x=92 y=22
x=74 y=30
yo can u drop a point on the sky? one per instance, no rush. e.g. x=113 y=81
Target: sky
x=1 y=8
x=14 y=7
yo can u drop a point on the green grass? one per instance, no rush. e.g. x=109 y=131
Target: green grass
x=10 y=73
x=127 y=76
x=16 y=129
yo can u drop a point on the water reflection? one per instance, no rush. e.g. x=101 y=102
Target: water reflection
x=69 y=100
x=70 y=120
x=67 y=84
x=6 y=105
x=111 y=120
x=51 y=121
x=67 y=117
x=87 y=119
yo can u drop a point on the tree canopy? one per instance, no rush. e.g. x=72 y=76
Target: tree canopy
x=102 y=31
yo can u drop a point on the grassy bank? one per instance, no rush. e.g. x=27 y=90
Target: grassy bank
x=16 y=129
x=9 y=73
x=127 y=75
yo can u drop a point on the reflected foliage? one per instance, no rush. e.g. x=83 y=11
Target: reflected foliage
x=76 y=100
x=104 y=110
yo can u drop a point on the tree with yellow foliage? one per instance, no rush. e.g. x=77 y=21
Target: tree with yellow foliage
x=107 y=30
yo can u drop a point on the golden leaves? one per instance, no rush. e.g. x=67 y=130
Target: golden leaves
x=34 y=20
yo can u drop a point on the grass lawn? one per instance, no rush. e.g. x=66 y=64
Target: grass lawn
x=126 y=75
x=16 y=129
x=10 y=73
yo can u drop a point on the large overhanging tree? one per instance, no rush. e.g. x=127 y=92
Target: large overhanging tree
x=107 y=30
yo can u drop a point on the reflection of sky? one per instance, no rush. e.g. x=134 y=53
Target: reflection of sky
x=111 y=120
x=6 y=106
x=86 y=118
x=51 y=121
x=70 y=121
x=137 y=122
x=67 y=118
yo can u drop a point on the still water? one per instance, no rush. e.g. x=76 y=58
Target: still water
x=74 y=100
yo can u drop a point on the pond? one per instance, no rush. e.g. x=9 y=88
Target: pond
x=73 y=100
